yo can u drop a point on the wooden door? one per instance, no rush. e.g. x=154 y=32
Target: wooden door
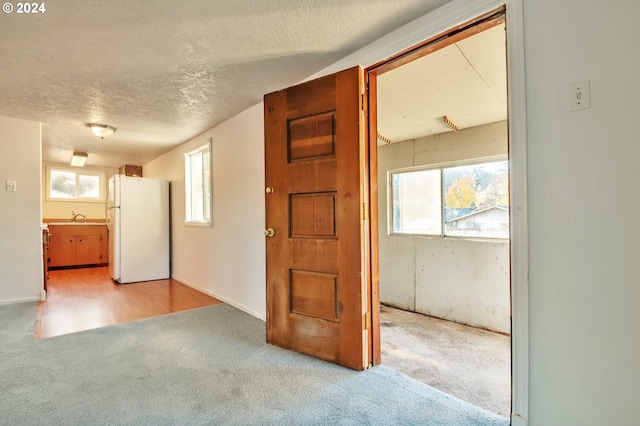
x=316 y=178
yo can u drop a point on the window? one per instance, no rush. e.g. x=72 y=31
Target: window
x=417 y=202
x=197 y=178
x=73 y=185
x=470 y=200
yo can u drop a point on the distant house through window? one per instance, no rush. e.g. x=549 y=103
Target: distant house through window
x=470 y=200
x=197 y=178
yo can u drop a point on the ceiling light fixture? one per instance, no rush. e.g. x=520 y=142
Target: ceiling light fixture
x=78 y=159
x=101 y=130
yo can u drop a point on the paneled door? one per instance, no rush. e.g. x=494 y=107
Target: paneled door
x=317 y=227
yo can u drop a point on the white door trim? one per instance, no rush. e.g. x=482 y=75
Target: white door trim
x=518 y=210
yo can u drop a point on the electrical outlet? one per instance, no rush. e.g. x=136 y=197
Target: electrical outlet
x=579 y=95
x=11 y=185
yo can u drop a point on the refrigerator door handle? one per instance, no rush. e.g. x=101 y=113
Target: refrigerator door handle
x=106 y=214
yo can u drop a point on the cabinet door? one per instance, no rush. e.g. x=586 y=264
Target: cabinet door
x=62 y=249
x=45 y=258
x=104 y=244
x=88 y=249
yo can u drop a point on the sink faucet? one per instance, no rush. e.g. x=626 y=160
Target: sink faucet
x=74 y=216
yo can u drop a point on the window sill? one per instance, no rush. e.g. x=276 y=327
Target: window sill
x=192 y=223
x=74 y=200
x=451 y=237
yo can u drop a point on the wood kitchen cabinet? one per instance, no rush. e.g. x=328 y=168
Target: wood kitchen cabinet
x=77 y=245
x=45 y=257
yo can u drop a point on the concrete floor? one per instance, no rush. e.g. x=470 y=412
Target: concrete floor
x=469 y=363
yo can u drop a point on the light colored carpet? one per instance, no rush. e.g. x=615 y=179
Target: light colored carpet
x=204 y=366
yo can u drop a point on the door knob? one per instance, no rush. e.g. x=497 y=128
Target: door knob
x=269 y=190
x=269 y=232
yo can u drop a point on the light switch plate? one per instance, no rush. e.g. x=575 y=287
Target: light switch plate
x=579 y=95
x=11 y=185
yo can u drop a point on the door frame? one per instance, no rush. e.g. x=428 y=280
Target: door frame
x=439 y=21
x=517 y=193
x=437 y=42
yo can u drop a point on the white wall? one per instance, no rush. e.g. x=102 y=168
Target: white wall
x=226 y=260
x=63 y=209
x=465 y=281
x=20 y=214
x=583 y=191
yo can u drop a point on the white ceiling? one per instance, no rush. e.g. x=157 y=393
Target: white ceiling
x=164 y=71
x=465 y=81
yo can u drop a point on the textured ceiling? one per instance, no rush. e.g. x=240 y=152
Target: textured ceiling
x=164 y=71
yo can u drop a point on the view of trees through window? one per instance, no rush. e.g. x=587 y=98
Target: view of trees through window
x=469 y=200
x=68 y=184
x=480 y=185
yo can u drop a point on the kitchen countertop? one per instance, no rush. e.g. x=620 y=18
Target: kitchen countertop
x=74 y=223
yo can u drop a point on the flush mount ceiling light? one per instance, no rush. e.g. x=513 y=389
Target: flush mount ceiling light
x=78 y=159
x=101 y=130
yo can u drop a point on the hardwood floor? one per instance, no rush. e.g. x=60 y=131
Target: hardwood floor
x=87 y=298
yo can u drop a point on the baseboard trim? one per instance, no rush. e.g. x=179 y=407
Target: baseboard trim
x=220 y=297
x=25 y=300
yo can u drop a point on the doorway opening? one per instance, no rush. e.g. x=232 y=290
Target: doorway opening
x=439 y=117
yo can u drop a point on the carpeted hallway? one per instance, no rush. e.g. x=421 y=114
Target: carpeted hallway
x=202 y=366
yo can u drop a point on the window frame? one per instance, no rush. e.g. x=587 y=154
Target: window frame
x=440 y=167
x=207 y=185
x=391 y=195
x=86 y=172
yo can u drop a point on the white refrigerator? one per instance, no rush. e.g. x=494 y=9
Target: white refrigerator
x=138 y=221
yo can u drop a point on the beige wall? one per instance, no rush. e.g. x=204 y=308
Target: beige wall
x=20 y=234
x=63 y=209
x=226 y=260
x=466 y=281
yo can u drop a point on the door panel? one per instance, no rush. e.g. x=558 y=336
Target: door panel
x=312 y=215
x=311 y=137
x=317 y=291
